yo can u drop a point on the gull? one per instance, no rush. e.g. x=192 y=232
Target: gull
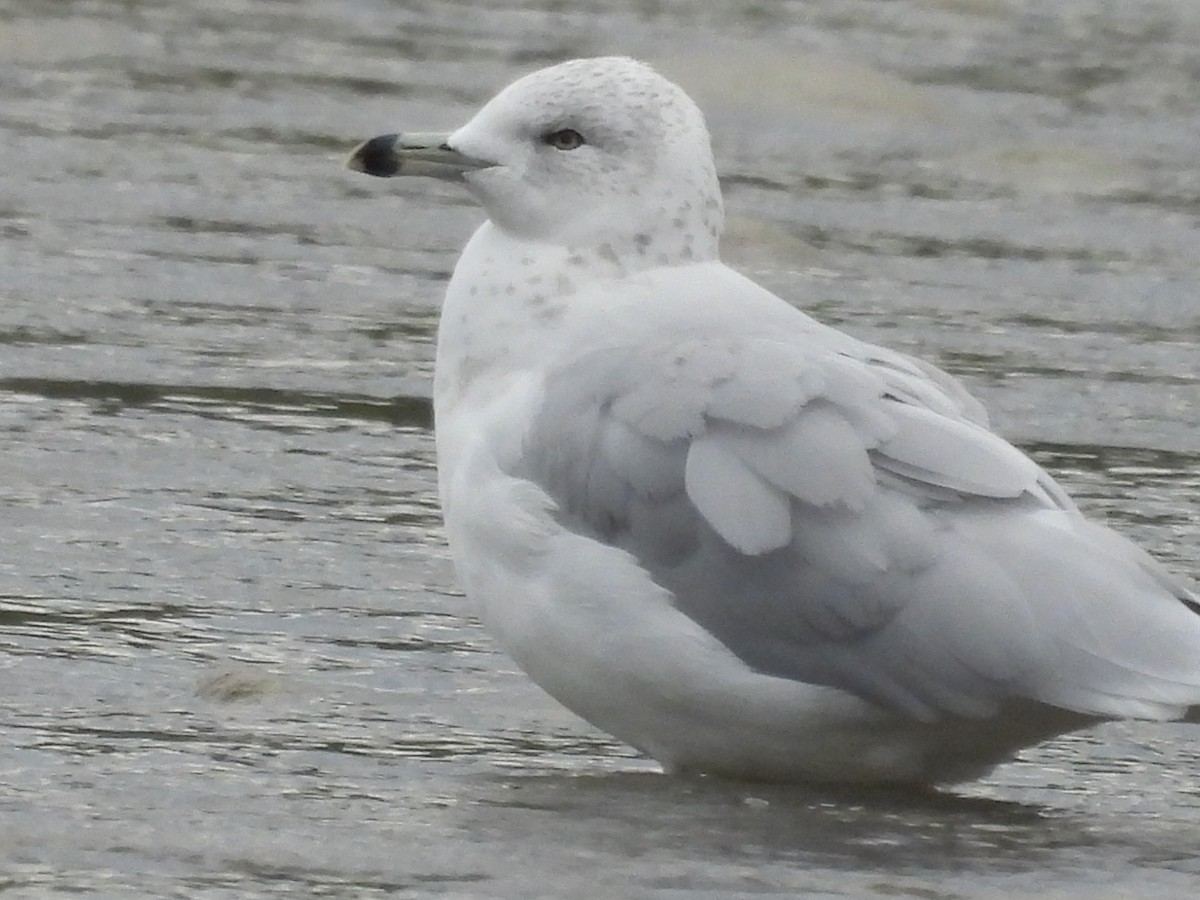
x=747 y=544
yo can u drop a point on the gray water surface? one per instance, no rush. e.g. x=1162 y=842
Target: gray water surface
x=233 y=659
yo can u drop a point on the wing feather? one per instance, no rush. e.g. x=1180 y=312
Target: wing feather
x=952 y=453
x=768 y=387
x=751 y=515
x=818 y=458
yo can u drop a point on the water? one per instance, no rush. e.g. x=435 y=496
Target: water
x=234 y=660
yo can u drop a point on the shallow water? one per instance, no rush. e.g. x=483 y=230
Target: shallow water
x=233 y=659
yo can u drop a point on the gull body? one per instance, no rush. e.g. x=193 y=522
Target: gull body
x=744 y=542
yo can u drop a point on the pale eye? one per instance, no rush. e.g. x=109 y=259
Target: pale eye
x=564 y=139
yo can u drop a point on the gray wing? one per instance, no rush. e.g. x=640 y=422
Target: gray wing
x=837 y=516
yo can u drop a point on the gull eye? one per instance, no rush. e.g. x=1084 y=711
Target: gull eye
x=564 y=139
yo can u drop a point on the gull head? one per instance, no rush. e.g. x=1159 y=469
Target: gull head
x=590 y=153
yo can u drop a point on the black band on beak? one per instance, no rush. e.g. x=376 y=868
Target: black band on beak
x=378 y=156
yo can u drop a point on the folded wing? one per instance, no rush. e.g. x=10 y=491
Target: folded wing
x=841 y=515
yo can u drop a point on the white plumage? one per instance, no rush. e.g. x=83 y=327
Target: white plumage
x=742 y=541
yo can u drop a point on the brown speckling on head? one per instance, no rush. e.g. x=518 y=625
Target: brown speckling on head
x=642 y=176
x=551 y=313
x=608 y=253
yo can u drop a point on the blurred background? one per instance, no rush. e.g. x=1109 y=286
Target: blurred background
x=233 y=659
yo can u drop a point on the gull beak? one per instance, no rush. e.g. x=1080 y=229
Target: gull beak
x=412 y=153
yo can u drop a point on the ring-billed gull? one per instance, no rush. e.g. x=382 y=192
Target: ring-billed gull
x=742 y=541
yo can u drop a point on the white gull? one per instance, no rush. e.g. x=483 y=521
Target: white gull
x=744 y=542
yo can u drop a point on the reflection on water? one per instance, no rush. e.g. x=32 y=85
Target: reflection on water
x=234 y=658
x=790 y=838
